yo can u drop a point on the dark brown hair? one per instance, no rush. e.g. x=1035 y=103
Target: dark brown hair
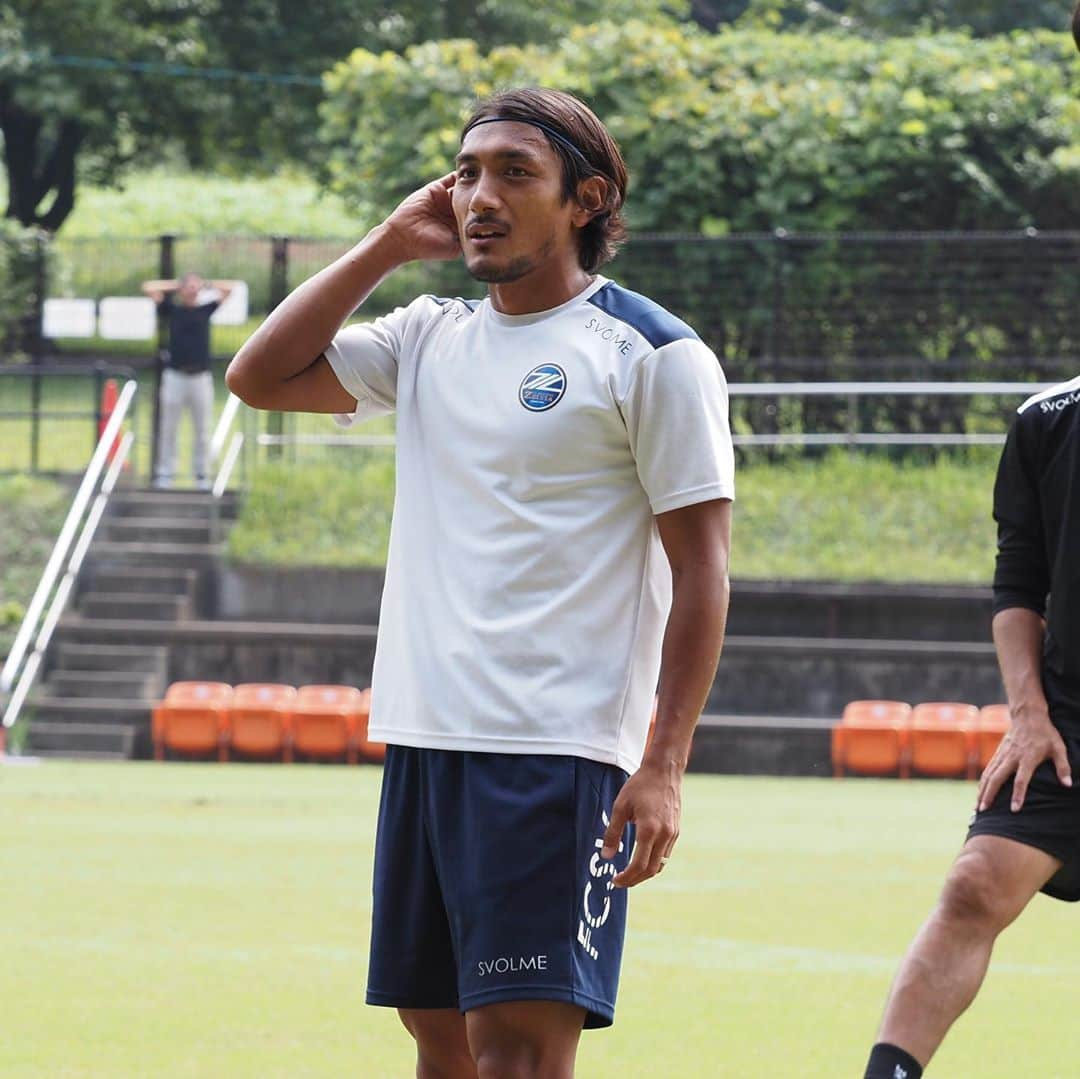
x=599 y=155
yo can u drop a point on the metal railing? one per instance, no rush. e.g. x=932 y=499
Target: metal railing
x=70 y=548
x=851 y=392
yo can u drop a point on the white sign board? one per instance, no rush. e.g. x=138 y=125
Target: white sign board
x=234 y=311
x=127 y=318
x=68 y=318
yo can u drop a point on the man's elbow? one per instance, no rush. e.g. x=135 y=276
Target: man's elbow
x=241 y=383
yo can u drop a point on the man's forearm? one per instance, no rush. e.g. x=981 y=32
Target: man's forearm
x=298 y=330
x=692 y=644
x=1018 y=639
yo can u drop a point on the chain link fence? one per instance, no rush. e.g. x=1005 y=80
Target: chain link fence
x=775 y=307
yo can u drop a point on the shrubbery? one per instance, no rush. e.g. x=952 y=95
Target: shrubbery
x=22 y=254
x=751 y=130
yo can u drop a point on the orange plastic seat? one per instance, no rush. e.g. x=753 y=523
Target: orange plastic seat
x=367 y=750
x=872 y=739
x=198 y=692
x=992 y=726
x=192 y=720
x=943 y=739
x=324 y=723
x=259 y=720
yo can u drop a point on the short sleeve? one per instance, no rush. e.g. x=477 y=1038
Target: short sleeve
x=676 y=414
x=365 y=359
x=1022 y=573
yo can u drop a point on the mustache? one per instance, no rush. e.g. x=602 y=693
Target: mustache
x=486 y=221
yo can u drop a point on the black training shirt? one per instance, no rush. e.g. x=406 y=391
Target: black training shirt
x=1037 y=508
x=189 y=334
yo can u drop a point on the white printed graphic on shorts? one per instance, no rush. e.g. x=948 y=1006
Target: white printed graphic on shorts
x=596 y=900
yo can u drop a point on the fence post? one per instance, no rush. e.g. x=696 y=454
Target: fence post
x=35 y=337
x=166 y=271
x=279 y=289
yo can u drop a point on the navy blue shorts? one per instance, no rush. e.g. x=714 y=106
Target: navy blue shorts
x=489 y=885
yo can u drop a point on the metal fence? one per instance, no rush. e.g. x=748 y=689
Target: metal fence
x=786 y=305
x=776 y=307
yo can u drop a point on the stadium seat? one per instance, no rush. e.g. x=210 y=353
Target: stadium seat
x=942 y=739
x=367 y=750
x=872 y=739
x=992 y=725
x=198 y=692
x=325 y=721
x=192 y=720
x=259 y=720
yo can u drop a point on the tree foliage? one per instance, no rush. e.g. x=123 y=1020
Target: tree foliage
x=63 y=122
x=982 y=17
x=752 y=130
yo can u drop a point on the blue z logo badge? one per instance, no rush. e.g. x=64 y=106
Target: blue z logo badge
x=543 y=387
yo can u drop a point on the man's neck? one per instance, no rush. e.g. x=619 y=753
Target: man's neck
x=534 y=293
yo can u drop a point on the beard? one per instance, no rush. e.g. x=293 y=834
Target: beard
x=514 y=270
x=511 y=271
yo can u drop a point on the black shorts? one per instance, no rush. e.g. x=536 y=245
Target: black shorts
x=1050 y=817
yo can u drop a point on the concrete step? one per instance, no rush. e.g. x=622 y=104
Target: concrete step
x=860 y=610
x=134 y=605
x=97 y=741
x=157 y=530
x=762 y=745
x=49 y=709
x=149 y=579
x=807 y=676
x=148 y=659
x=151 y=503
x=117 y=685
x=96 y=712
x=114 y=554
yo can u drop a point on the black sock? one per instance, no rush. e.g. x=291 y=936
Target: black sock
x=890 y=1062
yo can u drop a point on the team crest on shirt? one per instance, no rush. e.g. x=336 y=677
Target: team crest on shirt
x=543 y=387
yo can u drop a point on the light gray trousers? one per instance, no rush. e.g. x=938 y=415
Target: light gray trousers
x=179 y=392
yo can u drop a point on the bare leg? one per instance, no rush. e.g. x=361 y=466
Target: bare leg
x=990 y=883
x=442 y=1049
x=534 y=1039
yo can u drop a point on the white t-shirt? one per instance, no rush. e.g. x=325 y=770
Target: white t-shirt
x=527 y=591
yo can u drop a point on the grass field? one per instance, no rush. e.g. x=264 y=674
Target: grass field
x=191 y=921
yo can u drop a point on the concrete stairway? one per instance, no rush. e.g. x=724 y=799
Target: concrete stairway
x=145 y=566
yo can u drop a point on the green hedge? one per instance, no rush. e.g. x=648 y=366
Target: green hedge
x=750 y=130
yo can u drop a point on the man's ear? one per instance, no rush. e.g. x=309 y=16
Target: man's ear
x=592 y=196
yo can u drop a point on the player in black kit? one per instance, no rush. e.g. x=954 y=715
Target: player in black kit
x=1025 y=836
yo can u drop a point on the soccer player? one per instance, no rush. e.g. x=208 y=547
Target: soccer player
x=559 y=548
x=1025 y=835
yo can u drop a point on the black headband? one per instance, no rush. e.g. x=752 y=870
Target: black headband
x=551 y=133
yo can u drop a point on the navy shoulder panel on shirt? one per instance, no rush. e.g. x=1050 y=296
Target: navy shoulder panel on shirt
x=442 y=301
x=657 y=326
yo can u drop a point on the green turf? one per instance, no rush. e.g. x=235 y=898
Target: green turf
x=191 y=921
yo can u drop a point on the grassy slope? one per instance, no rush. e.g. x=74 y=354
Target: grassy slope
x=189 y=921
x=32 y=510
x=159 y=201
x=844 y=517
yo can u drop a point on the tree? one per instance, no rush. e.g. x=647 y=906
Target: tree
x=982 y=17
x=53 y=118
x=89 y=86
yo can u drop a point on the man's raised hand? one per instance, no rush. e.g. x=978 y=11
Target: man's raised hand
x=423 y=225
